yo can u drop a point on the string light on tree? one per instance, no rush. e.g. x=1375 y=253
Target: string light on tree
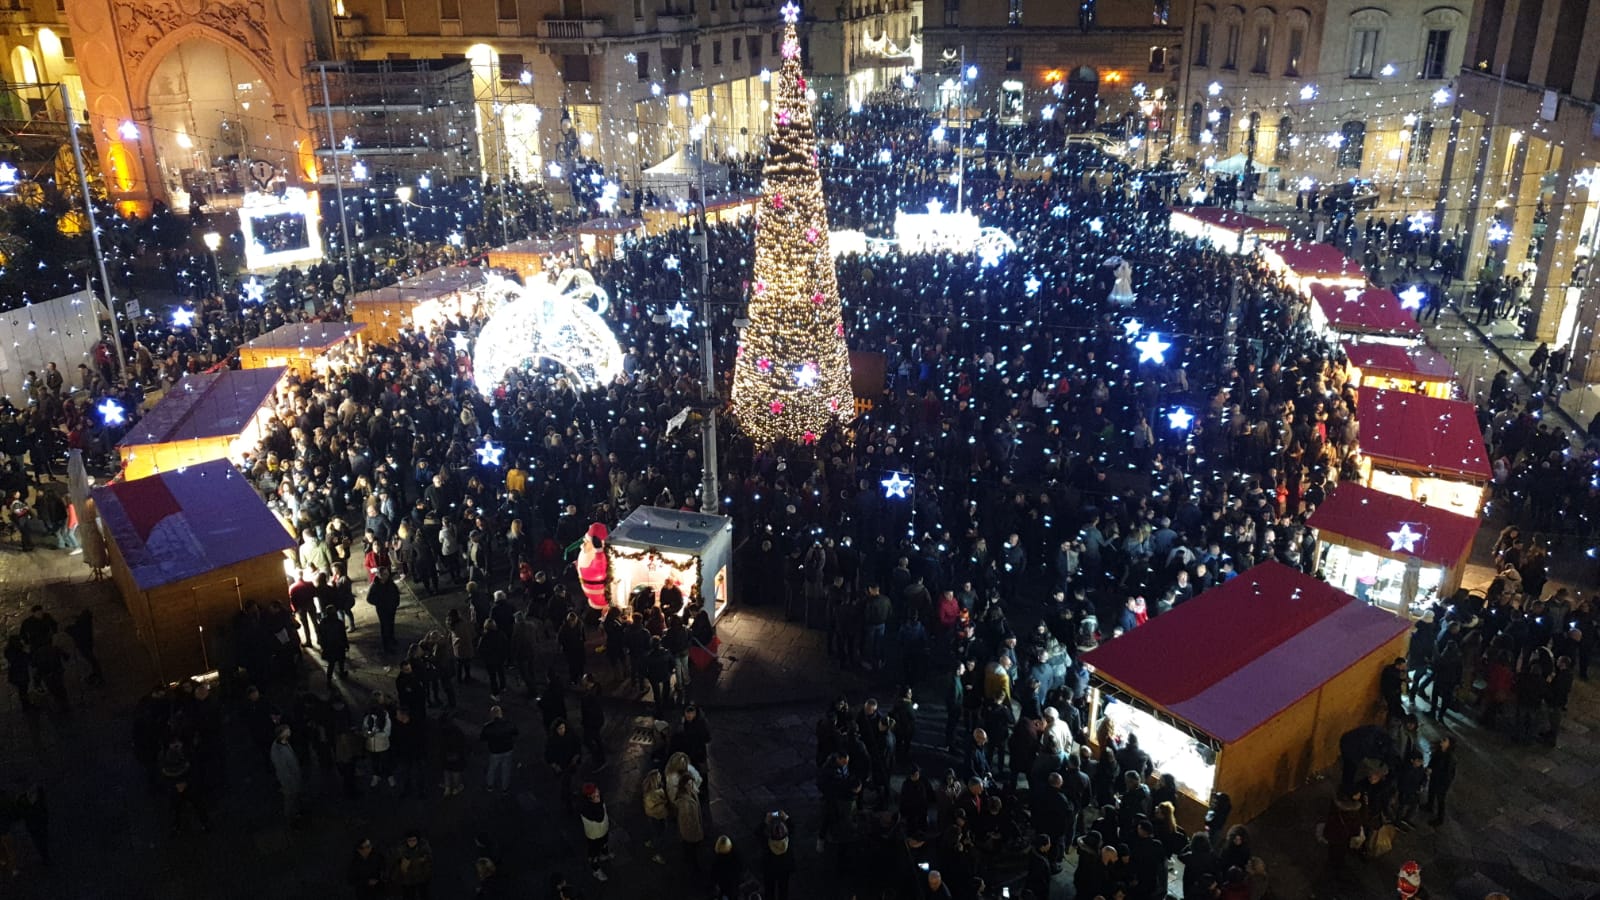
x=489 y=454
x=1153 y=349
x=790 y=327
x=896 y=486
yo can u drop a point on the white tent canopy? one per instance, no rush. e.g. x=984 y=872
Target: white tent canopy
x=678 y=176
x=63 y=331
x=1234 y=165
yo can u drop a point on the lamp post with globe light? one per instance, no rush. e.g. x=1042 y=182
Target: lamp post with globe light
x=213 y=244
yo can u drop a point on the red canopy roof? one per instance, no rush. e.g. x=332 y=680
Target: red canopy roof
x=1222 y=218
x=1371 y=517
x=1307 y=258
x=1420 y=361
x=206 y=405
x=1421 y=432
x=1371 y=310
x=1234 y=657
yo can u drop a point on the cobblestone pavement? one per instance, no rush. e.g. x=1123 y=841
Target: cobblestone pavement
x=1523 y=816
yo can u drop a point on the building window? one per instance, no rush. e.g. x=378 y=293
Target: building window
x=952 y=13
x=575 y=68
x=1297 y=48
x=449 y=10
x=1263 y=48
x=738 y=49
x=508 y=10
x=1014 y=14
x=1222 y=130
x=1433 y=55
x=1230 y=54
x=1202 y=46
x=776 y=37
x=755 y=49
x=1281 y=153
x=1363 y=52
x=716 y=53
x=694 y=56
x=511 y=67
x=638 y=9
x=1158 y=59
x=1161 y=14
x=1421 y=142
x=394 y=9
x=1013 y=59
x=1352 y=144
x=399 y=57
x=643 y=66
x=1086 y=14
x=1197 y=122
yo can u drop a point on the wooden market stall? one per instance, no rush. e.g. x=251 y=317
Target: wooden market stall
x=530 y=256
x=1391 y=552
x=655 y=543
x=603 y=238
x=1371 y=314
x=205 y=416
x=305 y=347
x=1424 y=449
x=1228 y=231
x=1246 y=688
x=1302 y=264
x=419 y=302
x=187 y=550
x=1418 y=368
x=727 y=208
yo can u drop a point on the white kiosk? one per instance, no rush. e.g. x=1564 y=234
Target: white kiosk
x=654 y=543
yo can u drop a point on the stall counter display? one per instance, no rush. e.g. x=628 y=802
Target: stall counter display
x=1419 y=368
x=655 y=544
x=1424 y=449
x=1391 y=552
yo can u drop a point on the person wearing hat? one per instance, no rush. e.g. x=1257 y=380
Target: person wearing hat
x=596 y=830
x=777 y=862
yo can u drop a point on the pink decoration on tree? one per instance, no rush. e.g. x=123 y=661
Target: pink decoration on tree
x=777 y=201
x=783 y=117
x=764 y=365
x=811 y=235
x=776 y=407
x=810 y=438
x=818 y=298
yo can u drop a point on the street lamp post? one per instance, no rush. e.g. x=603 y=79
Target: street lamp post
x=213 y=244
x=403 y=193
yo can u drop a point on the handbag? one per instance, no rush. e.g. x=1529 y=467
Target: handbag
x=1358 y=839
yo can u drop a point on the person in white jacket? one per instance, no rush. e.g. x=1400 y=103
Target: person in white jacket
x=596 y=830
x=376 y=727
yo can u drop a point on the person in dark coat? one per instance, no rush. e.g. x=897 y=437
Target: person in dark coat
x=384 y=595
x=335 y=643
x=1199 y=867
x=494 y=650
x=1055 y=816
x=1441 y=774
x=365 y=874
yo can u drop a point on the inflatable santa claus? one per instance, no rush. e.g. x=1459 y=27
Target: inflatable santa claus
x=592 y=566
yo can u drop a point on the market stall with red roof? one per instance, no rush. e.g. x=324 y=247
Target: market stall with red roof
x=1246 y=688
x=205 y=416
x=1228 y=231
x=1394 y=553
x=1373 y=313
x=309 y=348
x=1304 y=263
x=419 y=302
x=1418 y=368
x=1424 y=449
x=188 y=548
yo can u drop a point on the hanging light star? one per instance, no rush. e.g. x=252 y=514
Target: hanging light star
x=1419 y=222
x=1498 y=233
x=182 y=318
x=489 y=454
x=1214 y=88
x=1032 y=285
x=791 y=12
x=679 y=315
x=671 y=263
x=1405 y=540
x=935 y=207
x=111 y=412
x=1412 y=298
x=1308 y=92
x=1132 y=327
x=254 y=291
x=1179 y=419
x=1441 y=97
x=1097 y=224
x=895 y=486
x=807 y=375
x=1152 y=348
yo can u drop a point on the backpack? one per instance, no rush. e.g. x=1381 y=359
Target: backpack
x=656 y=805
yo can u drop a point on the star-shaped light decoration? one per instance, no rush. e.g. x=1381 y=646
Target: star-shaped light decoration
x=837 y=149
x=1419 y=222
x=1059 y=212
x=895 y=486
x=111 y=412
x=806 y=376
x=763 y=365
x=1441 y=96
x=818 y=298
x=1032 y=285
x=784 y=117
x=776 y=407
x=1179 y=419
x=811 y=235
x=1132 y=327
x=1387 y=71
x=254 y=291
x=1498 y=233
x=1308 y=92
x=489 y=454
x=8 y=175
x=1152 y=348
x=1097 y=224
x=791 y=12
x=1412 y=297
x=1405 y=540
x=1214 y=88
x=670 y=263
x=679 y=315
x=885 y=156
x=935 y=207
x=809 y=438
x=1352 y=295
x=182 y=318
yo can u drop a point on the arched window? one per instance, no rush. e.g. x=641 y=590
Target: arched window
x=1352 y=144
x=1222 y=130
x=1197 y=122
x=1281 y=153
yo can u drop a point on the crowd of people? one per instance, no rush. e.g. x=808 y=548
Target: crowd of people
x=1055 y=507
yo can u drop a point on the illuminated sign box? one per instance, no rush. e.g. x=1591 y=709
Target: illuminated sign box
x=280 y=230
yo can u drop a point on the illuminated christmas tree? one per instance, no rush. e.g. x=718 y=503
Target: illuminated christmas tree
x=791 y=380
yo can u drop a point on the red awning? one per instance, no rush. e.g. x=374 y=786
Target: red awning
x=1366 y=516
x=1422 y=433
x=1222 y=218
x=1419 y=362
x=1234 y=657
x=1366 y=310
x=1311 y=259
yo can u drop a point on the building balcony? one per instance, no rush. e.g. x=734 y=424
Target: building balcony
x=508 y=28
x=349 y=28
x=675 y=22
x=572 y=29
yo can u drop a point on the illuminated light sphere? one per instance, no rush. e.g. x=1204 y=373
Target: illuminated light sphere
x=1405 y=540
x=547 y=320
x=993 y=245
x=1179 y=419
x=182 y=318
x=895 y=486
x=1132 y=327
x=254 y=291
x=1412 y=298
x=489 y=454
x=972 y=72
x=111 y=412
x=128 y=131
x=1152 y=348
x=679 y=315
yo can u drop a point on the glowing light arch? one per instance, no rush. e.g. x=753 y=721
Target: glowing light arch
x=548 y=319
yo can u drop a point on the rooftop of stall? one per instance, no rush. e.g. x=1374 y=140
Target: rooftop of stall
x=1391 y=366
x=1422 y=447
x=1363 y=519
x=1303 y=264
x=705 y=536
x=1371 y=311
x=1270 y=668
x=205 y=416
x=297 y=345
x=599 y=236
x=527 y=257
x=387 y=310
x=1228 y=231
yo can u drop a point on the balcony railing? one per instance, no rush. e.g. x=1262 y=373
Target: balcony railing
x=675 y=22
x=572 y=29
